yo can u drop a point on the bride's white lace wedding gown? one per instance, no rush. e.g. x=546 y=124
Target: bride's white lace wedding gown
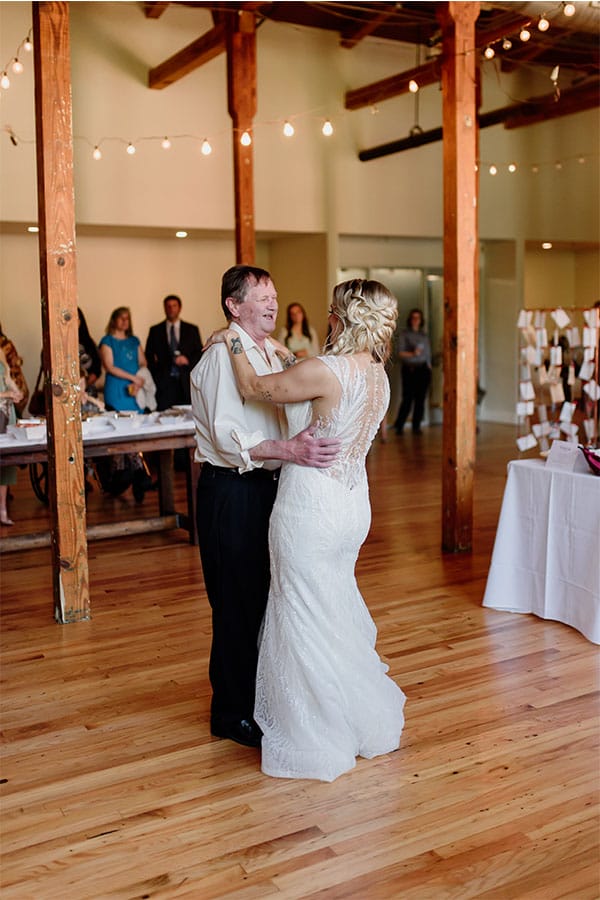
x=322 y=695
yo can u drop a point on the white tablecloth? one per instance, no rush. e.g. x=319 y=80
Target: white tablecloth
x=546 y=557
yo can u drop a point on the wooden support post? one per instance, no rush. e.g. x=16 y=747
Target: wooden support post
x=461 y=251
x=56 y=213
x=241 y=99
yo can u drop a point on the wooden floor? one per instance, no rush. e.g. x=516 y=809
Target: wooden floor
x=112 y=786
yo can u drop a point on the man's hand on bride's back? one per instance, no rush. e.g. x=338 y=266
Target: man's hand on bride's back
x=307 y=450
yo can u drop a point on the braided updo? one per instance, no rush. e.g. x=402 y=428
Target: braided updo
x=367 y=313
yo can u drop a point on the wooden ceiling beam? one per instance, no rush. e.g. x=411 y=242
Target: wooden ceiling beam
x=350 y=37
x=154 y=10
x=191 y=57
x=370 y=94
x=538 y=109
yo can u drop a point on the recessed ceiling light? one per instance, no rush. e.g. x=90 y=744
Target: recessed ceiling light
x=32 y=229
x=547 y=245
x=181 y=234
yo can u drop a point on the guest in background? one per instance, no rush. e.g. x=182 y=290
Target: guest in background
x=10 y=394
x=122 y=356
x=414 y=352
x=173 y=348
x=298 y=336
x=89 y=358
x=15 y=363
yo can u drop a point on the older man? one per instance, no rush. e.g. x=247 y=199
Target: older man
x=241 y=447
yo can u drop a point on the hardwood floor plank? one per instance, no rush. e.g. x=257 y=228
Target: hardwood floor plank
x=113 y=787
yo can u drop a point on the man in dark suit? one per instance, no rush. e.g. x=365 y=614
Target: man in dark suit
x=172 y=350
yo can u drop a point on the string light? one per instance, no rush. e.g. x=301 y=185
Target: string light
x=493 y=170
x=288 y=129
x=327 y=128
x=5 y=81
x=181 y=234
x=512 y=167
x=245 y=139
x=506 y=44
x=524 y=35
x=569 y=9
x=547 y=245
x=130 y=149
x=165 y=143
x=28 y=46
x=205 y=149
x=543 y=24
x=17 y=66
x=489 y=53
x=413 y=86
x=97 y=153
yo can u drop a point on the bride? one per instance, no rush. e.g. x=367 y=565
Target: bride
x=322 y=695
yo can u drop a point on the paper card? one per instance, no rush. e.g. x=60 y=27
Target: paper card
x=524 y=320
x=587 y=370
x=544 y=445
x=574 y=337
x=588 y=354
x=556 y=356
x=541 y=338
x=525 y=373
x=526 y=442
x=527 y=392
x=590 y=337
x=592 y=390
x=533 y=356
x=569 y=428
x=554 y=375
x=554 y=433
x=541 y=429
x=566 y=413
x=524 y=408
x=563 y=455
x=539 y=319
x=591 y=317
x=557 y=394
x=542 y=413
x=588 y=427
x=560 y=317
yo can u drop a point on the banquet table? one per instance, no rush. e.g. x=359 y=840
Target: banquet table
x=546 y=557
x=150 y=437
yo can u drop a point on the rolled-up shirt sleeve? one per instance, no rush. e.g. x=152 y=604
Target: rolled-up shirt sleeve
x=227 y=427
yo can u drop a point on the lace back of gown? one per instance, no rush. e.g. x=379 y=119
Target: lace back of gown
x=322 y=695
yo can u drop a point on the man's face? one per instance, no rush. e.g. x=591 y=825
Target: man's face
x=258 y=313
x=172 y=310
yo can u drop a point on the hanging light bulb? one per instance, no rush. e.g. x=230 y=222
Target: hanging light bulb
x=569 y=9
x=205 y=149
x=493 y=170
x=5 y=81
x=130 y=149
x=558 y=165
x=17 y=66
x=28 y=46
x=512 y=167
x=524 y=35
x=506 y=44
x=97 y=153
x=535 y=169
x=581 y=160
x=165 y=143
x=245 y=139
x=489 y=53
x=543 y=24
x=327 y=128
x=413 y=86
x=288 y=129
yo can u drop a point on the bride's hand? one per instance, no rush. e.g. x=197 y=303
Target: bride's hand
x=218 y=337
x=284 y=353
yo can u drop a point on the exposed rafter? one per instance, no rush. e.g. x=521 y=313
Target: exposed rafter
x=426 y=74
x=154 y=10
x=538 y=109
x=352 y=36
x=191 y=57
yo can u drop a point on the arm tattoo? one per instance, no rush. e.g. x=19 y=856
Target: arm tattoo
x=266 y=395
x=236 y=346
x=289 y=361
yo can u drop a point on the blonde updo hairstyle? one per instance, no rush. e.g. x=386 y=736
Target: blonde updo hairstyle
x=367 y=313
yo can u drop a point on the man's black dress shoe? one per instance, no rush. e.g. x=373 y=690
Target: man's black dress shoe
x=242 y=731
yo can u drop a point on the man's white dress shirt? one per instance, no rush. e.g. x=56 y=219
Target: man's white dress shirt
x=227 y=427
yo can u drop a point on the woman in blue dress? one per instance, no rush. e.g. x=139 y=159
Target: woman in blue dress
x=122 y=355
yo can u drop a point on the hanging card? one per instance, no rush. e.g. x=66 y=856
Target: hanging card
x=587 y=370
x=539 y=319
x=560 y=317
x=524 y=320
x=592 y=317
x=557 y=394
x=526 y=442
x=541 y=337
x=527 y=392
x=566 y=413
x=590 y=337
x=589 y=428
x=556 y=356
x=592 y=390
